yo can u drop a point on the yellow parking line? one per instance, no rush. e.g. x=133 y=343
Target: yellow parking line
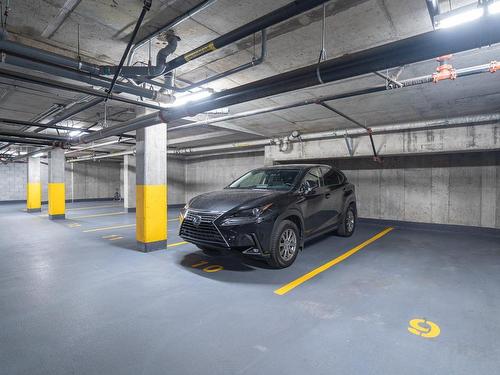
x=92 y=207
x=115 y=238
x=177 y=244
x=295 y=283
x=109 y=228
x=99 y=215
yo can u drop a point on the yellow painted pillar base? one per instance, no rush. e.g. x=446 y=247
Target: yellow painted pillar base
x=57 y=201
x=34 y=197
x=151 y=217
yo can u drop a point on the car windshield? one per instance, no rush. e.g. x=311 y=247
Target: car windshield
x=269 y=179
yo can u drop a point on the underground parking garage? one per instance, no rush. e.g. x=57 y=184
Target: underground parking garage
x=250 y=187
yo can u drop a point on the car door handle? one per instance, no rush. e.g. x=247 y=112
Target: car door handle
x=327 y=195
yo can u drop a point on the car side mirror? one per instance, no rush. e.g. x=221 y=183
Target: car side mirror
x=307 y=188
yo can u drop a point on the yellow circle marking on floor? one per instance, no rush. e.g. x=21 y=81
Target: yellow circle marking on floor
x=424 y=328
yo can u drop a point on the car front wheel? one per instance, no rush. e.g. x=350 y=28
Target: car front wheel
x=284 y=245
x=348 y=223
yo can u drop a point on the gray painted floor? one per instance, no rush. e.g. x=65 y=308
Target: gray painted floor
x=73 y=302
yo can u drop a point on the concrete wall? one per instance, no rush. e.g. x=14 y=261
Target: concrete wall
x=461 y=189
x=13 y=181
x=91 y=180
x=213 y=173
x=176 y=180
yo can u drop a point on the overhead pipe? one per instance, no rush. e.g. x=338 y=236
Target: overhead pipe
x=28 y=124
x=478 y=69
x=474 y=120
x=251 y=64
x=97 y=157
x=480 y=33
x=177 y=21
x=279 y=15
x=70 y=87
x=94 y=146
x=36 y=142
x=145 y=71
x=145 y=8
x=483 y=32
x=47 y=137
x=83 y=77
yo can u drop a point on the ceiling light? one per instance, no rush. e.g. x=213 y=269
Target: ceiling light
x=37 y=155
x=457 y=18
x=494 y=8
x=194 y=97
x=75 y=133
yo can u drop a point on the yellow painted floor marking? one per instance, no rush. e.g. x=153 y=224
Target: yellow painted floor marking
x=92 y=207
x=109 y=228
x=177 y=244
x=115 y=238
x=74 y=225
x=424 y=328
x=109 y=236
x=295 y=283
x=99 y=215
x=174 y=219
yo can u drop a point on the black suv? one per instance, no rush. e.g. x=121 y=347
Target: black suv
x=270 y=212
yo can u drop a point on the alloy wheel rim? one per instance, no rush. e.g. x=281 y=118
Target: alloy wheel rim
x=349 y=221
x=287 y=244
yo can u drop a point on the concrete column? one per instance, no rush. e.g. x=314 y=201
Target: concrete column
x=151 y=188
x=33 y=186
x=57 y=195
x=129 y=183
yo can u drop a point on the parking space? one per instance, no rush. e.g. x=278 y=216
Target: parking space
x=410 y=301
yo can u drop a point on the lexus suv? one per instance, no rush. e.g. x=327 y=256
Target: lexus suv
x=270 y=212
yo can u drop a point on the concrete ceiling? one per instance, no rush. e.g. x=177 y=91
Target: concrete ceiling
x=352 y=25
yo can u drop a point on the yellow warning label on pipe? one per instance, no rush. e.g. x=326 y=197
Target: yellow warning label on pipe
x=200 y=51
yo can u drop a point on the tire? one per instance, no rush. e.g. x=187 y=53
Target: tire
x=285 y=243
x=348 y=224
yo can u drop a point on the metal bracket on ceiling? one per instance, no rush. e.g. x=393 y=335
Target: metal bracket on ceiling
x=376 y=158
x=368 y=130
x=350 y=144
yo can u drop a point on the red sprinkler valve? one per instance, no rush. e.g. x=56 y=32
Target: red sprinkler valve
x=494 y=66
x=444 y=70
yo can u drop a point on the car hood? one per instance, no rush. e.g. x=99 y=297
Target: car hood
x=227 y=199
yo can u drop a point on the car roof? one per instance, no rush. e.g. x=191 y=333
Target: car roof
x=296 y=166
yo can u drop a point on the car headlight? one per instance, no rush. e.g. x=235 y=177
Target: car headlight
x=253 y=212
x=246 y=216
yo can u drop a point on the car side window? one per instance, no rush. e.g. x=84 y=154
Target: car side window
x=313 y=178
x=332 y=177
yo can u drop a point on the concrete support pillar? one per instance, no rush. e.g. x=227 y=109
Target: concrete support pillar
x=57 y=195
x=33 y=186
x=129 y=183
x=151 y=188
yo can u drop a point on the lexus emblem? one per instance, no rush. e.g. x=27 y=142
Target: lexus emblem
x=196 y=220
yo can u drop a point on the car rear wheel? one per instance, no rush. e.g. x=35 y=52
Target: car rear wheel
x=284 y=245
x=348 y=223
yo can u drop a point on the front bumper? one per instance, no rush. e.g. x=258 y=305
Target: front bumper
x=248 y=236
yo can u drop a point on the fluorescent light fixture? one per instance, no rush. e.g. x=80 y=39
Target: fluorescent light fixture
x=460 y=17
x=194 y=97
x=37 y=155
x=22 y=153
x=494 y=8
x=75 y=133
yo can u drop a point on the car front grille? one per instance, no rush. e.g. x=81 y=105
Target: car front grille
x=205 y=231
